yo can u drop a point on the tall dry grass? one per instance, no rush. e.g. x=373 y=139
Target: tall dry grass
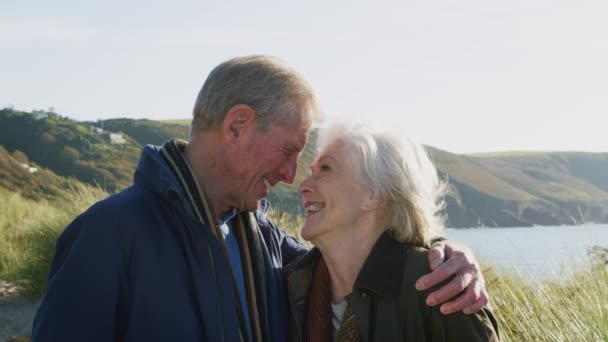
x=291 y=225
x=29 y=230
x=574 y=309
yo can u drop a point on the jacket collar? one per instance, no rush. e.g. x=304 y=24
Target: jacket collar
x=306 y=261
x=382 y=272
x=155 y=173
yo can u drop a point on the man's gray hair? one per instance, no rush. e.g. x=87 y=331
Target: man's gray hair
x=275 y=91
x=400 y=174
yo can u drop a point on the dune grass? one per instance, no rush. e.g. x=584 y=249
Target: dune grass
x=28 y=231
x=574 y=309
x=288 y=223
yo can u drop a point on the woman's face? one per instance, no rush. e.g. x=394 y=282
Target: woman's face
x=334 y=195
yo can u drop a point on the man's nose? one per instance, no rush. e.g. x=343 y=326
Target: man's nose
x=288 y=171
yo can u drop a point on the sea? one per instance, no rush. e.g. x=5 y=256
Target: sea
x=535 y=253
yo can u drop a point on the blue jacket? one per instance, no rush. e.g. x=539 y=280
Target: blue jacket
x=138 y=266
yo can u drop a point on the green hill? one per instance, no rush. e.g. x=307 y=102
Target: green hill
x=18 y=174
x=492 y=189
x=61 y=147
x=523 y=189
x=69 y=148
x=183 y=122
x=507 y=190
x=146 y=131
x=515 y=188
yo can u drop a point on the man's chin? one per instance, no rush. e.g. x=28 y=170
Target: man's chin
x=253 y=206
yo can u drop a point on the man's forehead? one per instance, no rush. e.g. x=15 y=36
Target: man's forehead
x=296 y=130
x=301 y=121
x=294 y=134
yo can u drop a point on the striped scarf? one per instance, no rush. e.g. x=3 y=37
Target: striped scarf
x=246 y=233
x=318 y=325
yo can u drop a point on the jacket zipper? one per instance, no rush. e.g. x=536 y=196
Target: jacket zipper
x=372 y=319
x=293 y=313
x=217 y=284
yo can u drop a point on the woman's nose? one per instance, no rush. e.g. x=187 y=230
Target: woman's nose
x=306 y=185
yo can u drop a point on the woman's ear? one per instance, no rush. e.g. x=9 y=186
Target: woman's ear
x=238 y=119
x=371 y=202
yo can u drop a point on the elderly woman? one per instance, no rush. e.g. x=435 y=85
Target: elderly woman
x=372 y=205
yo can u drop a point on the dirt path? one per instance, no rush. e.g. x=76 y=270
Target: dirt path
x=16 y=314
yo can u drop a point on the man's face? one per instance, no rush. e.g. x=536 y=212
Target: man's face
x=263 y=159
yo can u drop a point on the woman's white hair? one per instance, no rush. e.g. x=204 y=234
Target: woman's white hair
x=400 y=174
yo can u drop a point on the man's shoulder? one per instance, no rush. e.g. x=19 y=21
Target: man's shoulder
x=285 y=245
x=125 y=202
x=262 y=220
x=124 y=211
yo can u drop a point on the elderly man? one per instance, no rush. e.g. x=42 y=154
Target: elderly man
x=186 y=253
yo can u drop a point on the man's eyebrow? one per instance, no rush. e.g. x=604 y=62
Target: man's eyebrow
x=294 y=148
x=327 y=156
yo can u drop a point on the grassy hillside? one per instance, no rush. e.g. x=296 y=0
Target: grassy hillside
x=63 y=148
x=37 y=184
x=146 y=131
x=491 y=189
x=550 y=175
x=523 y=189
x=69 y=148
x=182 y=122
x=556 y=187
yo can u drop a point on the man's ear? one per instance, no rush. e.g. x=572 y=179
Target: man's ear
x=238 y=119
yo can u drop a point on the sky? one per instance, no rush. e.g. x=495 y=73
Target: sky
x=464 y=76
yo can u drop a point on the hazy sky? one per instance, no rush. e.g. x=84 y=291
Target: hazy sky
x=465 y=76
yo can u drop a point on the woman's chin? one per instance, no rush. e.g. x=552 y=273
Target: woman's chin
x=308 y=232
x=305 y=235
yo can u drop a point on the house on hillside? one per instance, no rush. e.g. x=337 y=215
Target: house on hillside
x=116 y=138
x=96 y=129
x=40 y=114
x=29 y=168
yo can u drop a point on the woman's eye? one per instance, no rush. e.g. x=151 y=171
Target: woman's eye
x=324 y=167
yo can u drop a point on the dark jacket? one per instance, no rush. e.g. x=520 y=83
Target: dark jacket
x=138 y=266
x=385 y=300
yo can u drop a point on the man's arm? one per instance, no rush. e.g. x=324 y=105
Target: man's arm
x=85 y=282
x=290 y=248
x=466 y=291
